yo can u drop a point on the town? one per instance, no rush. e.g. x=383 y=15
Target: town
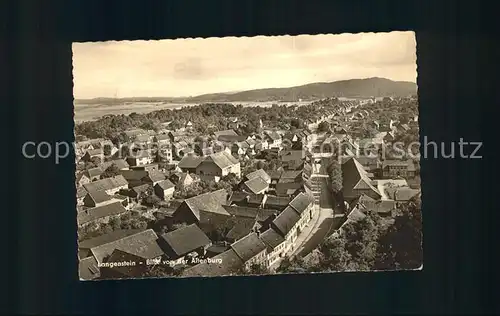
x=221 y=189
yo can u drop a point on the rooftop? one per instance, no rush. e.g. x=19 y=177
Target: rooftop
x=186 y=239
x=248 y=247
x=143 y=244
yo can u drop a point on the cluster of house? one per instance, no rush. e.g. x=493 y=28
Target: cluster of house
x=220 y=234
x=209 y=234
x=215 y=233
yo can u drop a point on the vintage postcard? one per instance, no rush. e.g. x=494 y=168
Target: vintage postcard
x=247 y=156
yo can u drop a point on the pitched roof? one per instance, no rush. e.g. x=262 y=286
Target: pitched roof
x=237 y=197
x=134 y=174
x=256 y=199
x=87 y=269
x=289 y=155
x=285 y=221
x=271 y=238
x=231 y=138
x=290 y=174
x=241 y=227
x=248 y=247
x=185 y=240
x=126 y=270
x=120 y=163
x=106 y=238
x=355 y=177
x=94 y=213
x=273 y=201
x=273 y=135
x=162 y=137
x=143 y=244
x=301 y=202
x=225 y=263
x=256 y=185
x=94 y=172
x=156 y=175
x=190 y=162
x=99 y=196
x=259 y=173
x=208 y=202
x=228 y=132
x=106 y=184
x=222 y=159
x=141 y=188
x=165 y=184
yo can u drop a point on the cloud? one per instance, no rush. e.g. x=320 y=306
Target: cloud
x=197 y=66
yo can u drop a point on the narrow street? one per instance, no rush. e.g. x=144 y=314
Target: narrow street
x=323 y=224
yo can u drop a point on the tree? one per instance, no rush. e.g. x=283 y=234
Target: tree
x=110 y=172
x=401 y=245
x=115 y=223
x=297 y=123
x=334 y=170
x=323 y=127
x=151 y=200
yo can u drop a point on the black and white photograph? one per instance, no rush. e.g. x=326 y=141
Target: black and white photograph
x=247 y=156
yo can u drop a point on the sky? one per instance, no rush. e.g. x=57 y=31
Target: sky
x=190 y=67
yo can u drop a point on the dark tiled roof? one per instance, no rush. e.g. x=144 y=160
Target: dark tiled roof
x=230 y=262
x=288 y=155
x=277 y=201
x=165 y=184
x=241 y=227
x=94 y=172
x=107 y=238
x=186 y=239
x=95 y=213
x=134 y=175
x=106 y=184
x=258 y=173
x=256 y=199
x=143 y=244
x=208 y=202
x=271 y=238
x=301 y=202
x=99 y=196
x=237 y=197
x=248 y=247
x=156 y=175
x=126 y=271
x=222 y=159
x=190 y=162
x=285 y=221
x=256 y=185
x=354 y=177
x=141 y=188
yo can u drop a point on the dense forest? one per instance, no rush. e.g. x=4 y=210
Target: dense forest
x=205 y=118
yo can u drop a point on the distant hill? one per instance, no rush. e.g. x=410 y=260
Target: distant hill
x=370 y=87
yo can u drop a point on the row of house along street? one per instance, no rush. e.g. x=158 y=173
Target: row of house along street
x=321 y=226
